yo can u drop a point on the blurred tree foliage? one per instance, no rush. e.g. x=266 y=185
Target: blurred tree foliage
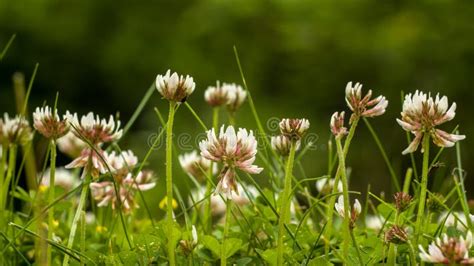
x=297 y=55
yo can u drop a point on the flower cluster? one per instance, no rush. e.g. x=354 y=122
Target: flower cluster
x=402 y=201
x=49 y=124
x=71 y=145
x=364 y=106
x=234 y=150
x=229 y=94
x=325 y=185
x=396 y=234
x=337 y=125
x=354 y=212
x=282 y=144
x=195 y=165
x=122 y=165
x=173 y=87
x=15 y=130
x=448 y=250
x=421 y=114
x=294 y=129
x=96 y=132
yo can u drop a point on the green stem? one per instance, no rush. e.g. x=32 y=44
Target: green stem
x=345 y=192
x=332 y=200
x=169 y=183
x=52 y=174
x=285 y=203
x=208 y=210
x=226 y=232
x=412 y=254
x=77 y=216
x=10 y=171
x=424 y=186
x=459 y=181
x=354 y=242
x=3 y=163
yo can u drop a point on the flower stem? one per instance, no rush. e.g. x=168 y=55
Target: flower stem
x=332 y=200
x=424 y=185
x=285 y=203
x=226 y=232
x=169 y=183
x=52 y=174
x=77 y=216
x=354 y=242
x=10 y=171
x=208 y=210
x=345 y=192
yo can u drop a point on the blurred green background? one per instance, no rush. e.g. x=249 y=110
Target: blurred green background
x=297 y=57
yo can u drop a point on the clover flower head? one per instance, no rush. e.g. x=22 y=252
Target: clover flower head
x=48 y=123
x=374 y=222
x=422 y=114
x=354 y=212
x=448 y=250
x=104 y=192
x=402 y=201
x=396 y=234
x=71 y=145
x=174 y=87
x=94 y=129
x=234 y=149
x=195 y=165
x=216 y=95
x=236 y=96
x=15 y=130
x=122 y=162
x=282 y=144
x=337 y=125
x=326 y=185
x=364 y=106
x=295 y=129
x=97 y=164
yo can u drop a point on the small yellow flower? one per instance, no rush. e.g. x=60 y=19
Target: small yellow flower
x=42 y=188
x=100 y=229
x=55 y=223
x=164 y=201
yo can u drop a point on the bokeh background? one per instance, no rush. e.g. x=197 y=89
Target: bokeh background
x=297 y=57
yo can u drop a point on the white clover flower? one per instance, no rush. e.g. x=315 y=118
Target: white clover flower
x=326 y=185
x=14 y=130
x=123 y=161
x=71 y=145
x=49 y=124
x=104 y=192
x=421 y=114
x=282 y=144
x=97 y=164
x=295 y=129
x=94 y=129
x=354 y=212
x=217 y=95
x=448 y=250
x=235 y=96
x=173 y=87
x=234 y=150
x=337 y=124
x=195 y=165
x=364 y=106
x=374 y=222
x=62 y=178
x=454 y=219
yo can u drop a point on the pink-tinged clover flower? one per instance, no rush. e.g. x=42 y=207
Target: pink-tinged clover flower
x=421 y=114
x=337 y=125
x=236 y=96
x=234 y=150
x=354 y=212
x=364 y=106
x=49 y=124
x=282 y=144
x=173 y=87
x=216 y=95
x=448 y=250
x=71 y=145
